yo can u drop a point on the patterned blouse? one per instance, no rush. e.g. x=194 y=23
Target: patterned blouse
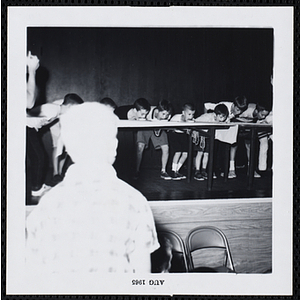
x=90 y=223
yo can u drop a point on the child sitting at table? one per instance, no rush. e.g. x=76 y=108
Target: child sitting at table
x=258 y=113
x=220 y=114
x=108 y=102
x=138 y=111
x=178 y=140
x=126 y=158
x=159 y=138
x=235 y=108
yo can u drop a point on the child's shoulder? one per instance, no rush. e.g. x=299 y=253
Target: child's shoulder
x=176 y=118
x=206 y=117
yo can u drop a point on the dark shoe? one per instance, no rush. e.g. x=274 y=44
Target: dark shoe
x=165 y=176
x=39 y=193
x=198 y=176
x=231 y=174
x=204 y=174
x=176 y=176
x=181 y=175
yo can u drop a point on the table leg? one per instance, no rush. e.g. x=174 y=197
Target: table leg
x=251 y=159
x=211 y=133
x=227 y=158
x=190 y=159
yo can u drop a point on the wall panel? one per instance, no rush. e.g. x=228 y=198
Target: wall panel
x=247 y=224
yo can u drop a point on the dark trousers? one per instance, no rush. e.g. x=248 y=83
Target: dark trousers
x=35 y=161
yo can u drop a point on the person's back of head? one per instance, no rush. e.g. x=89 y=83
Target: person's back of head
x=165 y=105
x=108 y=102
x=241 y=102
x=262 y=110
x=89 y=134
x=263 y=106
x=71 y=99
x=221 y=109
x=189 y=106
x=142 y=103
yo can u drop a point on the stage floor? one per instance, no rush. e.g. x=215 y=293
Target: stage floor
x=153 y=187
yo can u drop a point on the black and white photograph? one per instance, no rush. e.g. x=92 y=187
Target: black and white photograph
x=145 y=153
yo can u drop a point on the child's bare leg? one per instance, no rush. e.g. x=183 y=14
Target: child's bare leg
x=164 y=157
x=182 y=160
x=55 y=161
x=198 y=160
x=263 y=151
x=139 y=155
x=205 y=160
x=232 y=162
x=247 y=145
x=175 y=161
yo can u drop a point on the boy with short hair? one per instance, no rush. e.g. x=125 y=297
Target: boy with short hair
x=138 y=111
x=127 y=140
x=220 y=114
x=235 y=108
x=258 y=113
x=108 y=102
x=178 y=140
x=159 y=138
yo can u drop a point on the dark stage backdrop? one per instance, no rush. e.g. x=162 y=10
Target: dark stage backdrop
x=178 y=64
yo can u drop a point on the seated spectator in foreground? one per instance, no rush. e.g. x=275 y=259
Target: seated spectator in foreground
x=179 y=140
x=159 y=138
x=138 y=111
x=219 y=115
x=92 y=221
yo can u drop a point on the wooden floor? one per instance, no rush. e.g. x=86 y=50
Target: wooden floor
x=155 y=188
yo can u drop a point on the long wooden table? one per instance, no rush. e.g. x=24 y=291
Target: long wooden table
x=211 y=130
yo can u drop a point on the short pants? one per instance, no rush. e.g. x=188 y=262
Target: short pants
x=179 y=142
x=202 y=144
x=158 y=139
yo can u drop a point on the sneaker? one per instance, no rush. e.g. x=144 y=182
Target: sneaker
x=165 y=176
x=204 y=174
x=39 y=193
x=198 y=176
x=176 y=176
x=231 y=174
x=181 y=175
x=256 y=175
x=215 y=176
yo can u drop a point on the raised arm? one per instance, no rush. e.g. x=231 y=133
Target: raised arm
x=32 y=64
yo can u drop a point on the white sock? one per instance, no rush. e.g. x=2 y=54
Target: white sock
x=179 y=166
x=231 y=165
x=174 y=167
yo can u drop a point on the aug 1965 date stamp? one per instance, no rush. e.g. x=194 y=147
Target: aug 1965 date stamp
x=147 y=282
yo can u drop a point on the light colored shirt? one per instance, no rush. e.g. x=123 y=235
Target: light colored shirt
x=90 y=222
x=211 y=106
x=207 y=117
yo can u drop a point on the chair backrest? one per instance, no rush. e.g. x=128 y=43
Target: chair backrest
x=179 y=260
x=208 y=237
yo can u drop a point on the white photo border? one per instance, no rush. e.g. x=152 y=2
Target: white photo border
x=279 y=18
